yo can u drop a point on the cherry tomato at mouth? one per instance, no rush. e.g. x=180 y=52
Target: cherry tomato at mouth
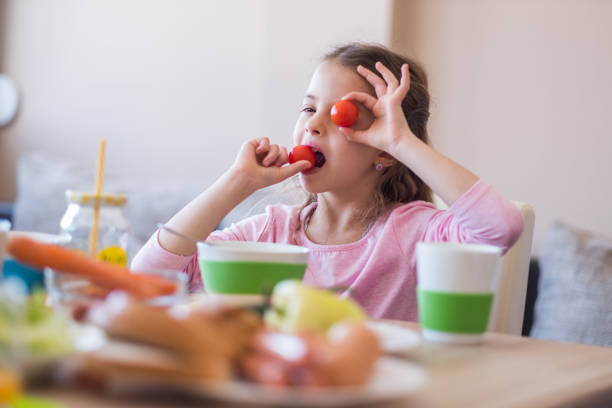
x=302 y=152
x=344 y=113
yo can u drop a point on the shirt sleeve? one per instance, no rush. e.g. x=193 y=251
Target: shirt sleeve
x=481 y=215
x=152 y=256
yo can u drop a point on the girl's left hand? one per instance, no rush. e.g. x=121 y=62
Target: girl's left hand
x=390 y=124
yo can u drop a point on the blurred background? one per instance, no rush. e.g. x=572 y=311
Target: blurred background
x=521 y=90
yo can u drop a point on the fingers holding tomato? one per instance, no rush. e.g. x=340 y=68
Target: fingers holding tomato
x=389 y=123
x=262 y=164
x=271 y=156
x=302 y=152
x=283 y=157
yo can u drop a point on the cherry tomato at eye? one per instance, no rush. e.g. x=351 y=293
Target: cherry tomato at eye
x=344 y=113
x=302 y=152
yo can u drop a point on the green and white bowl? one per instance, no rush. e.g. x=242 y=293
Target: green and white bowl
x=249 y=268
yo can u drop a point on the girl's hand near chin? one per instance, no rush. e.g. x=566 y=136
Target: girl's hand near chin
x=262 y=164
x=390 y=124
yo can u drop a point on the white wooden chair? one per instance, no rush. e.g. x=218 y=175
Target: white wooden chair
x=511 y=291
x=509 y=302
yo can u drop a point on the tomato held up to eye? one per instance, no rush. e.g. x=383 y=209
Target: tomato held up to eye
x=302 y=152
x=344 y=113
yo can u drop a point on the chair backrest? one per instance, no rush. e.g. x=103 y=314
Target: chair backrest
x=509 y=303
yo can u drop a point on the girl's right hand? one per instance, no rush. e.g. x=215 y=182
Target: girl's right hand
x=390 y=125
x=262 y=164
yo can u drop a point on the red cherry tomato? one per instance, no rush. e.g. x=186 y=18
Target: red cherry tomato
x=344 y=113
x=302 y=152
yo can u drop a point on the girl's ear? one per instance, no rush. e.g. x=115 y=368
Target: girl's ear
x=385 y=159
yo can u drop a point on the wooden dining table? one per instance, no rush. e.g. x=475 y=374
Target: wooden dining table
x=503 y=371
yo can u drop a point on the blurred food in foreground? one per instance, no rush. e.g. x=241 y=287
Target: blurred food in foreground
x=203 y=342
x=296 y=307
x=10 y=385
x=78 y=294
x=345 y=356
x=29 y=330
x=197 y=343
x=210 y=341
x=100 y=273
x=32 y=277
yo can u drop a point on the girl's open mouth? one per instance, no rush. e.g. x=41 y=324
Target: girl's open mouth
x=309 y=153
x=319 y=158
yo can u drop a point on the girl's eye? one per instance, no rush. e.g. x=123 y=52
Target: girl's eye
x=307 y=109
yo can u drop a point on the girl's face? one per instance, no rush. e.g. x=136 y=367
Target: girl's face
x=347 y=164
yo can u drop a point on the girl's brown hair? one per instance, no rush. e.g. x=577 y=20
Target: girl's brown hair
x=398 y=184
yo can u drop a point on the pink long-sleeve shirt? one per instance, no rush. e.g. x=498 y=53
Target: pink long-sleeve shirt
x=379 y=270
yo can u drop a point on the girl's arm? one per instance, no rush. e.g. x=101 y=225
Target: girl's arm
x=259 y=164
x=390 y=133
x=446 y=177
x=481 y=216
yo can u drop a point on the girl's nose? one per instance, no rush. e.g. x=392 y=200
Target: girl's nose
x=312 y=130
x=314 y=126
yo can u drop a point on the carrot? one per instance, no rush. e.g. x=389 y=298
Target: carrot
x=39 y=255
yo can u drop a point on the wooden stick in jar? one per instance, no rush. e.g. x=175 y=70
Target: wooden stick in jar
x=93 y=234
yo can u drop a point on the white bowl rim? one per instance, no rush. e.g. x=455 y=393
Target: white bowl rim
x=253 y=247
x=460 y=247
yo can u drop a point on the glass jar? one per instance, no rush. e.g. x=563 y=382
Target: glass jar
x=113 y=227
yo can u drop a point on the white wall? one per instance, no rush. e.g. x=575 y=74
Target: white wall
x=522 y=95
x=149 y=77
x=174 y=87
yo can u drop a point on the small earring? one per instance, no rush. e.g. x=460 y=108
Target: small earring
x=379 y=167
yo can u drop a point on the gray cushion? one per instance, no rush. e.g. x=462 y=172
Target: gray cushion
x=42 y=181
x=573 y=302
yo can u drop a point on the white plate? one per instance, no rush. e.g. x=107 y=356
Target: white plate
x=393 y=379
x=394 y=338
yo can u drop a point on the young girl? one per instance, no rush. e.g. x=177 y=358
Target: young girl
x=370 y=202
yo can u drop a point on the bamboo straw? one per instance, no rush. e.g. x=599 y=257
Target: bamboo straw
x=93 y=234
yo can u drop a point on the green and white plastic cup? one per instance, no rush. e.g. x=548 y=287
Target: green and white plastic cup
x=456 y=285
x=245 y=272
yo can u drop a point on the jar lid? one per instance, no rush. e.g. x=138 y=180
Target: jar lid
x=89 y=198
